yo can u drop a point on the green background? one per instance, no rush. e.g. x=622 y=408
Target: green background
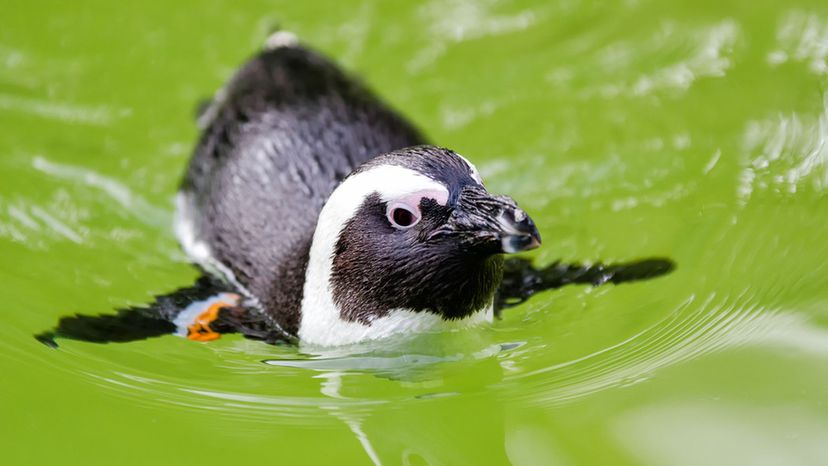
x=693 y=130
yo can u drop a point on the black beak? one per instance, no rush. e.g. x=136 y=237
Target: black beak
x=494 y=224
x=518 y=231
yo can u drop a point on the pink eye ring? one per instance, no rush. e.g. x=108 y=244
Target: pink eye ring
x=402 y=216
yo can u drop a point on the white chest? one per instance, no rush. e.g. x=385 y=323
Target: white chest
x=324 y=326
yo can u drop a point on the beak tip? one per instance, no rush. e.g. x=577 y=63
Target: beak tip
x=534 y=241
x=518 y=243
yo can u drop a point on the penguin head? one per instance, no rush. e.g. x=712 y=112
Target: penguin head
x=411 y=231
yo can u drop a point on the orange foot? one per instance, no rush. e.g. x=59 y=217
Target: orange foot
x=200 y=329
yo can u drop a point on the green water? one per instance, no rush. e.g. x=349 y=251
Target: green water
x=693 y=130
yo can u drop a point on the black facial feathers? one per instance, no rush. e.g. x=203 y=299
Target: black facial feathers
x=377 y=268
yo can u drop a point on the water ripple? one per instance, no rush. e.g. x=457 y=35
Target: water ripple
x=689 y=332
x=129 y=201
x=61 y=111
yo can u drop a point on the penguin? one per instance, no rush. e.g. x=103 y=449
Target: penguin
x=319 y=215
x=332 y=214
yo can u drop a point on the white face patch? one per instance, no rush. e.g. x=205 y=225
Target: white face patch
x=473 y=170
x=439 y=195
x=321 y=323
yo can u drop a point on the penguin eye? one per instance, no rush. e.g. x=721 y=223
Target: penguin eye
x=402 y=216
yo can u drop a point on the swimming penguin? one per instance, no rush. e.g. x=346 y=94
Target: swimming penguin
x=329 y=211
x=321 y=215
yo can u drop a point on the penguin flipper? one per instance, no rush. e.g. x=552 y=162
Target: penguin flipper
x=127 y=325
x=201 y=312
x=521 y=280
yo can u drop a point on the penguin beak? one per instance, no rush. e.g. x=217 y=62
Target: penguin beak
x=518 y=232
x=492 y=224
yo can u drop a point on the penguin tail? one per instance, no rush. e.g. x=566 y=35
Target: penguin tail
x=281 y=39
x=207 y=108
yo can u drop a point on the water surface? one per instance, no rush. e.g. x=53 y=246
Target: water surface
x=690 y=130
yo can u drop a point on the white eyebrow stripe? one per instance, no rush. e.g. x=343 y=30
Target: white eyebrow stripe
x=475 y=174
x=441 y=196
